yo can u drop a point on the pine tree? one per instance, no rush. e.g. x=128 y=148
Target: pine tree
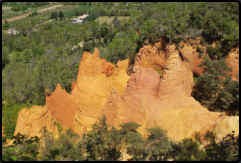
x=210 y=88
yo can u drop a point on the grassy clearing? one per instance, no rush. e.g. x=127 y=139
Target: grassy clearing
x=71 y=13
x=102 y=19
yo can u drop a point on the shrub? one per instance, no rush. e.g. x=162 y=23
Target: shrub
x=177 y=39
x=9 y=128
x=54 y=15
x=5 y=26
x=33 y=14
x=202 y=41
x=59 y=126
x=159 y=72
x=200 y=55
x=214 y=52
x=199 y=49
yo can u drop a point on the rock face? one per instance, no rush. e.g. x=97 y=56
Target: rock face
x=145 y=97
x=30 y=121
x=154 y=56
x=107 y=67
x=166 y=102
x=93 y=88
x=63 y=106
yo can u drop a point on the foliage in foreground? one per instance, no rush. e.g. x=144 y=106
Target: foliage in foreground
x=106 y=144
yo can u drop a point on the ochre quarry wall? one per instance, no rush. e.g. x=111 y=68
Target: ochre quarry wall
x=154 y=56
x=93 y=86
x=30 y=121
x=166 y=102
x=144 y=97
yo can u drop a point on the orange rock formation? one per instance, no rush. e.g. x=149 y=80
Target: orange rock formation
x=30 y=121
x=145 y=98
x=151 y=101
x=154 y=56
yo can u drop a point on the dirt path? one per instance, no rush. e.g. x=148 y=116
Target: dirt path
x=6 y=8
x=25 y=15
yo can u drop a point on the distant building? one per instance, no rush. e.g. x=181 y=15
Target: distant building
x=79 y=19
x=116 y=4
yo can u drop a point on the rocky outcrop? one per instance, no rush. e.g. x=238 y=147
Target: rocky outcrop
x=145 y=97
x=63 y=106
x=30 y=121
x=107 y=67
x=166 y=102
x=154 y=56
x=72 y=86
x=93 y=88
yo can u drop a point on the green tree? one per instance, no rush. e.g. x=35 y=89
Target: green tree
x=210 y=89
x=5 y=58
x=198 y=17
x=122 y=46
x=116 y=22
x=54 y=15
x=61 y=15
x=104 y=29
x=88 y=46
x=27 y=55
x=94 y=142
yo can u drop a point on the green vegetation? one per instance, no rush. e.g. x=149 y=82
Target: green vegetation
x=78 y=11
x=159 y=72
x=215 y=89
x=92 y=16
x=18 y=8
x=105 y=143
x=61 y=15
x=33 y=13
x=10 y=115
x=60 y=127
x=5 y=25
x=40 y=56
x=108 y=20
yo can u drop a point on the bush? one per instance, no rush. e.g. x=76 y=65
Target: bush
x=199 y=49
x=202 y=41
x=5 y=26
x=214 y=52
x=200 y=55
x=33 y=14
x=159 y=72
x=9 y=128
x=54 y=15
x=87 y=46
x=60 y=127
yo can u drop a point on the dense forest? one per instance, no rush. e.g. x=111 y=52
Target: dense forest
x=41 y=56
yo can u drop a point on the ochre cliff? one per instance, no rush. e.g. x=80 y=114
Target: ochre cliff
x=93 y=87
x=30 y=121
x=144 y=97
x=154 y=56
x=166 y=102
